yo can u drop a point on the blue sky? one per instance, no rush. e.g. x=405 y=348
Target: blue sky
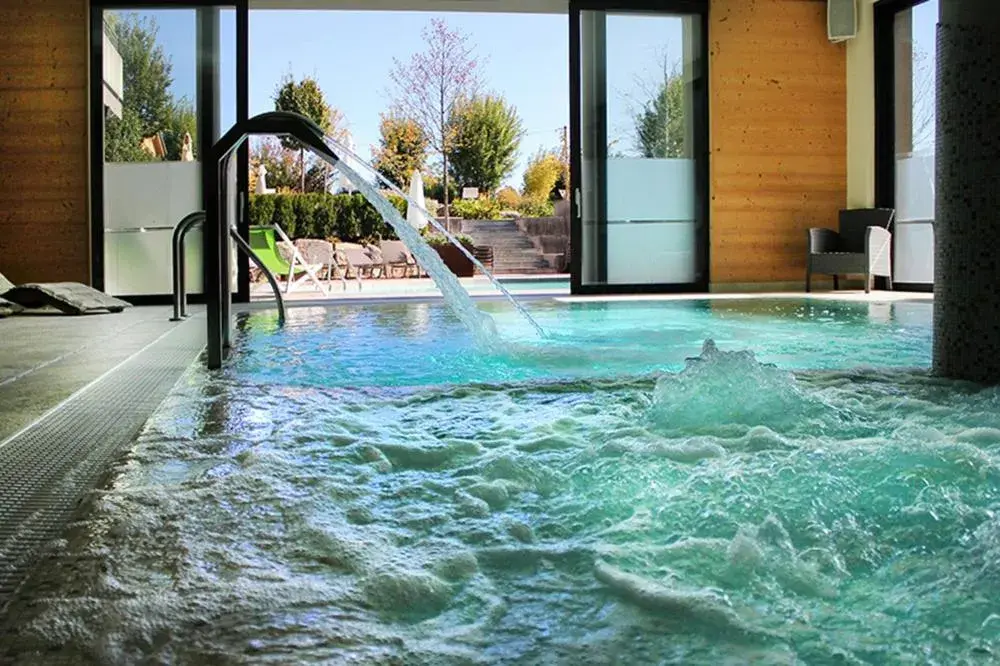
x=525 y=57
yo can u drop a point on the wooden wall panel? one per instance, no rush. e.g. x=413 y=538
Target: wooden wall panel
x=44 y=230
x=778 y=136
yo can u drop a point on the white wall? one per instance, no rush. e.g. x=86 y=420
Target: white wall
x=861 y=110
x=113 y=77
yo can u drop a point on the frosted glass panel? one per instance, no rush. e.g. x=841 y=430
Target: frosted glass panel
x=913 y=261
x=140 y=263
x=650 y=189
x=143 y=202
x=651 y=253
x=915 y=187
x=150 y=194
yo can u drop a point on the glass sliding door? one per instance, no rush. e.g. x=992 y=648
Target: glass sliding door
x=164 y=99
x=915 y=68
x=639 y=171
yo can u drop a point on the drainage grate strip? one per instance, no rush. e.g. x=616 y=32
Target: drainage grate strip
x=48 y=467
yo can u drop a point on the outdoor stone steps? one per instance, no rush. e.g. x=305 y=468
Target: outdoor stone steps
x=513 y=250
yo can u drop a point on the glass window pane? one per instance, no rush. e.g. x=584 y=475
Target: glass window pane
x=915 y=63
x=640 y=196
x=152 y=177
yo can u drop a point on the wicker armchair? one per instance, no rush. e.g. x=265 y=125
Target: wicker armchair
x=861 y=246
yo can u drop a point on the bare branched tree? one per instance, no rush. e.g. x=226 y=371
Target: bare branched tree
x=432 y=83
x=924 y=98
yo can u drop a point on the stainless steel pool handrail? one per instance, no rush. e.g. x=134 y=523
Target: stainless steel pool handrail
x=177 y=261
x=180 y=296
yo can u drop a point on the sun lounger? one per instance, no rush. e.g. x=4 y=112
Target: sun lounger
x=7 y=308
x=265 y=244
x=358 y=260
x=66 y=297
x=395 y=255
x=320 y=255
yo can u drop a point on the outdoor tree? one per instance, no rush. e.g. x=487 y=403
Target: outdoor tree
x=660 y=125
x=428 y=87
x=508 y=197
x=402 y=148
x=305 y=98
x=146 y=74
x=281 y=164
x=122 y=137
x=487 y=135
x=180 y=121
x=146 y=70
x=924 y=98
x=563 y=182
x=148 y=106
x=544 y=169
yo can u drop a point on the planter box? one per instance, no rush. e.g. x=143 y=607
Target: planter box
x=456 y=261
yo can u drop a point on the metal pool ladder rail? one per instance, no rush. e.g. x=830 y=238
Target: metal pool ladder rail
x=180 y=297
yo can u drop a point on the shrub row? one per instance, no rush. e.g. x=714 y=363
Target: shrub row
x=346 y=217
x=486 y=208
x=476 y=209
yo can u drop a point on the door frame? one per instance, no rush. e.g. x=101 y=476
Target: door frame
x=701 y=152
x=206 y=84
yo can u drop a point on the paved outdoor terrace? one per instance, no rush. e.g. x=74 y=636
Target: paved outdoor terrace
x=554 y=286
x=519 y=285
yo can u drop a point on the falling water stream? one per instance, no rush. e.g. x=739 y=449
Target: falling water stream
x=481 y=324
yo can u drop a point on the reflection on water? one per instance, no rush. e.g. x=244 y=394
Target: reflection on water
x=354 y=345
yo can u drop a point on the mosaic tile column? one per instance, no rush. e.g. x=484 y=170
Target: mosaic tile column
x=967 y=225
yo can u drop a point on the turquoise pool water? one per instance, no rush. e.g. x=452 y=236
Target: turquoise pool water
x=367 y=487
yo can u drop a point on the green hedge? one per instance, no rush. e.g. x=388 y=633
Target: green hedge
x=438 y=240
x=476 y=209
x=347 y=217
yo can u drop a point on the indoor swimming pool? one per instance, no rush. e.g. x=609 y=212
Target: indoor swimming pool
x=769 y=481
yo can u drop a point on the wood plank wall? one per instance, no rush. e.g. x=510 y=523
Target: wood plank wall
x=44 y=229
x=778 y=136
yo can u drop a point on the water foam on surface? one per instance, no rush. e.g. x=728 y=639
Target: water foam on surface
x=725 y=512
x=721 y=389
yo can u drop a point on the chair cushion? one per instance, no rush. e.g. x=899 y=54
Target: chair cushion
x=7 y=308
x=5 y=285
x=357 y=256
x=286 y=251
x=395 y=252
x=315 y=251
x=842 y=263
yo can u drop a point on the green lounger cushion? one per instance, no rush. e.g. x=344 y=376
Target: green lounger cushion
x=263 y=244
x=69 y=297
